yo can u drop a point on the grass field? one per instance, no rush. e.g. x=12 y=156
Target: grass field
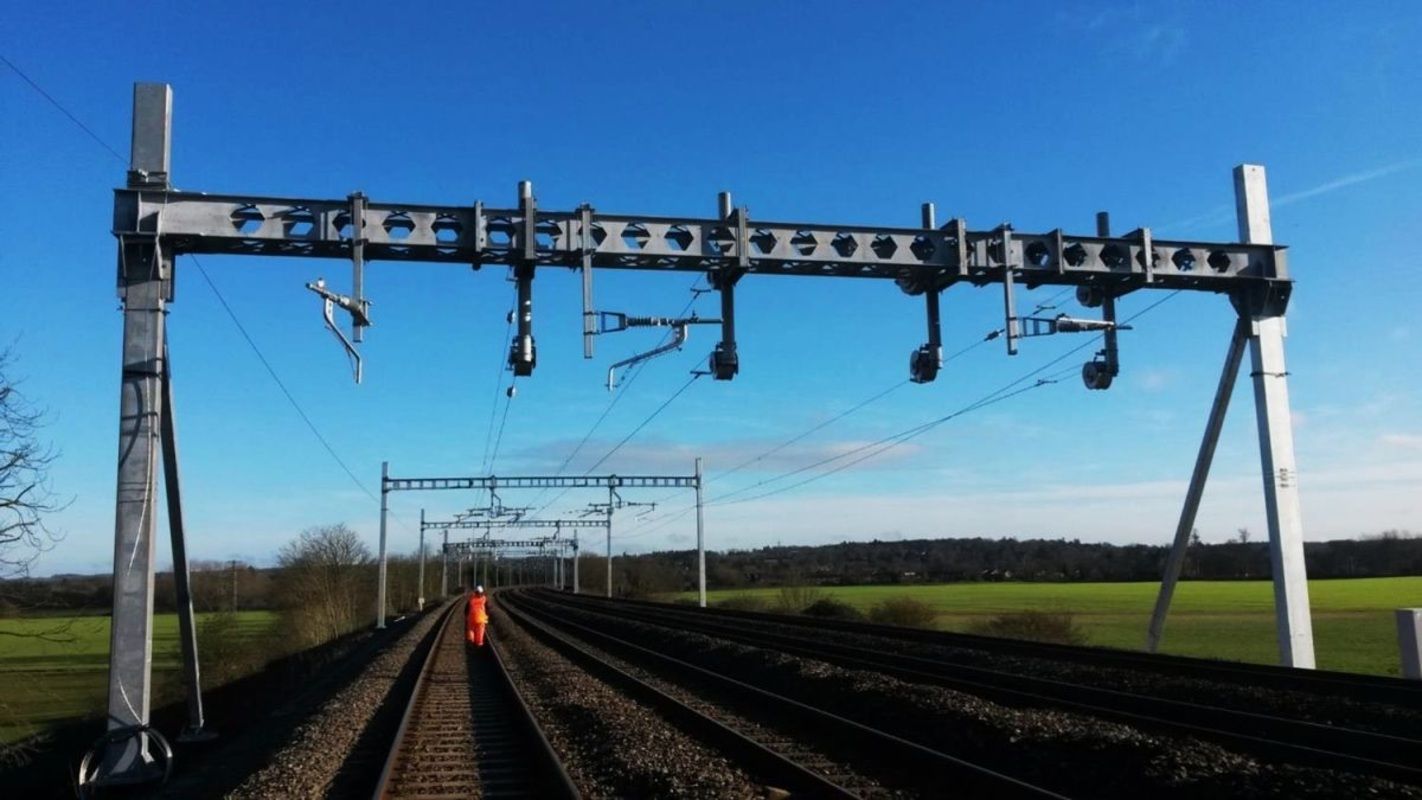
x=43 y=681
x=1353 y=622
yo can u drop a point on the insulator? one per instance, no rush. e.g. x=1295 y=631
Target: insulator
x=1096 y=375
x=1065 y=324
x=1090 y=296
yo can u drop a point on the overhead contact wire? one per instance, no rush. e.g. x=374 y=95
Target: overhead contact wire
x=889 y=442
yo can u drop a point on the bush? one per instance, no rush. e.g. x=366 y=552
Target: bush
x=1037 y=626
x=829 y=608
x=743 y=602
x=794 y=599
x=905 y=611
x=226 y=651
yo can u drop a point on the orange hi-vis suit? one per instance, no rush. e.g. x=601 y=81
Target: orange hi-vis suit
x=477 y=618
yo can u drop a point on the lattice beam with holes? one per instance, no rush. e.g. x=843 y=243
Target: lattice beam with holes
x=189 y=222
x=491 y=524
x=542 y=482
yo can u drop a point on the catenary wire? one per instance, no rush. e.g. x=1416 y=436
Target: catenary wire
x=616 y=397
x=724 y=499
x=241 y=329
x=271 y=372
x=645 y=422
x=894 y=440
x=63 y=110
x=499 y=367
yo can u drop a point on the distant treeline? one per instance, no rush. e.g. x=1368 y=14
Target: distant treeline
x=952 y=560
x=848 y=563
x=214 y=585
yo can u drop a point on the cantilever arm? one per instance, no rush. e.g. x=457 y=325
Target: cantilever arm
x=329 y=302
x=678 y=339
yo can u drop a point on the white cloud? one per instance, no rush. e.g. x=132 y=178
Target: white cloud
x=1406 y=441
x=1157 y=380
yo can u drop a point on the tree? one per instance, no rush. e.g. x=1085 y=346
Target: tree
x=25 y=494
x=1244 y=536
x=25 y=500
x=325 y=582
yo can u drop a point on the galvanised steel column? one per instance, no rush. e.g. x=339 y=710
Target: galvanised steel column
x=172 y=490
x=1409 y=641
x=611 y=505
x=700 y=541
x=420 y=593
x=145 y=287
x=576 y=586
x=384 y=512
x=1276 y=438
x=444 y=566
x=1203 y=460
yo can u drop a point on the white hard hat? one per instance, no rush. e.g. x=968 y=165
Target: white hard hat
x=479 y=588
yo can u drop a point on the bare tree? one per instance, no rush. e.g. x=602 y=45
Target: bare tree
x=25 y=500
x=26 y=497
x=324 y=585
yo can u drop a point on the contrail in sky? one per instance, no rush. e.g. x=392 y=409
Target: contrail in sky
x=1347 y=180
x=1225 y=213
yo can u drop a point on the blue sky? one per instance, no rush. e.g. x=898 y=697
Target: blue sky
x=1038 y=114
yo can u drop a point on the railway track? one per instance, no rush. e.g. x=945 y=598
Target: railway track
x=786 y=753
x=1273 y=737
x=1328 y=683
x=466 y=732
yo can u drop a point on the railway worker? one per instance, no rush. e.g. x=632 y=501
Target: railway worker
x=477 y=617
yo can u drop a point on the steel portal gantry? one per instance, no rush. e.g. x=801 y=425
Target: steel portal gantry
x=154 y=223
x=485 y=550
x=495 y=482
x=488 y=525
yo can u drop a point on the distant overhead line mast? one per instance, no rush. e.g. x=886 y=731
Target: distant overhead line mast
x=155 y=223
x=493 y=483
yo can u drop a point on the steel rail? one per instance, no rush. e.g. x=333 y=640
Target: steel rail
x=1367 y=688
x=552 y=778
x=928 y=767
x=776 y=767
x=389 y=770
x=1288 y=739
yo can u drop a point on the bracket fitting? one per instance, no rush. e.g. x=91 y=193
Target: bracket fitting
x=359 y=319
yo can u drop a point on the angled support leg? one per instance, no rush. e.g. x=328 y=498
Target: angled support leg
x=1203 y=461
x=172 y=490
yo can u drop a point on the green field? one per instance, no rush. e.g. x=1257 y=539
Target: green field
x=1352 y=619
x=44 y=681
